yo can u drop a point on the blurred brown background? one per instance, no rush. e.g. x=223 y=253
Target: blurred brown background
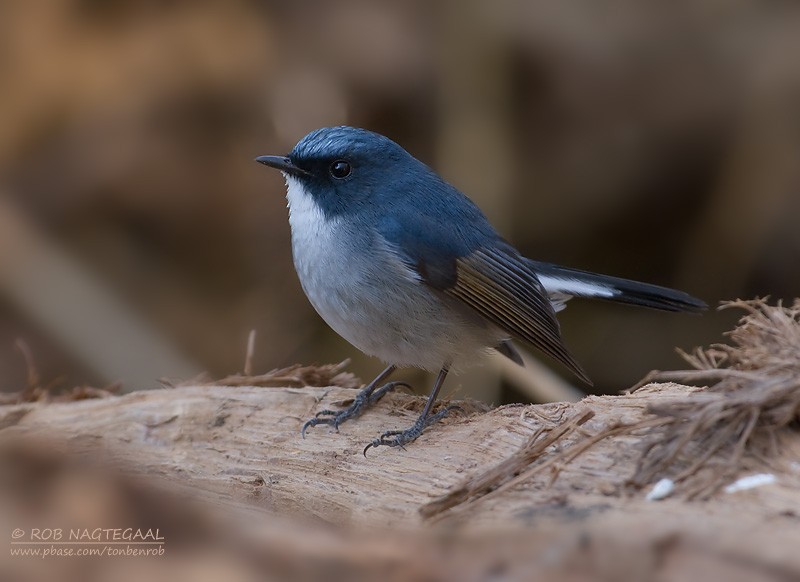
x=138 y=239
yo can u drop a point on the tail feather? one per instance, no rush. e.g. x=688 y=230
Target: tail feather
x=563 y=281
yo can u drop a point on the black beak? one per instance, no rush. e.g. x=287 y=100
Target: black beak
x=283 y=164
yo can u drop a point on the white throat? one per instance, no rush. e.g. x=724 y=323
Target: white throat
x=305 y=215
x=314 y=235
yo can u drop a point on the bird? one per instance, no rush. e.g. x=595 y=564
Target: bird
x=408 y=269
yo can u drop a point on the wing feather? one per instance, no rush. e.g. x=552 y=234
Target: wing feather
x=505 y=291
x=479 y=269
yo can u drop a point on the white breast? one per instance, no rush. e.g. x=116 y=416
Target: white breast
x=318 y=244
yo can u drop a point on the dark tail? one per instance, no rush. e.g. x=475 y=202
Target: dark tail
x=564 y=282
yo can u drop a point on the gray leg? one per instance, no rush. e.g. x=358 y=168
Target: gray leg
x=399 y=438
x=366 y=397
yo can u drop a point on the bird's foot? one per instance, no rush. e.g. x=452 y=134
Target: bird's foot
x=400 y=438
x=365 y=398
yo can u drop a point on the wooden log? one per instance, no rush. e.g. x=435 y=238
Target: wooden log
x=474 y=489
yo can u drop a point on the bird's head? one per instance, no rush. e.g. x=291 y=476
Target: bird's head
x=344 y=168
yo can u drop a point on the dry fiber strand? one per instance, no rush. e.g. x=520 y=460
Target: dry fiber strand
x=700 y=440
x=738 y=421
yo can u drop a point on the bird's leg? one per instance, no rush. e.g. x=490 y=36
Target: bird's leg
x=369 y=395
x=399 y=438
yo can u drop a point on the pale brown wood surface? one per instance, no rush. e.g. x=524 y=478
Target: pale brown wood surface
x=240 y=448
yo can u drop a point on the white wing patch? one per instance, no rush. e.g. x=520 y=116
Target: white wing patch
x=560 y=290
x=556 y=285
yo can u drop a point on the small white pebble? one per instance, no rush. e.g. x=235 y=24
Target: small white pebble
x=660 y=490
x=750 y=482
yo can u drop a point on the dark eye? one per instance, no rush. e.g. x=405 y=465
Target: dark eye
x=340 y=169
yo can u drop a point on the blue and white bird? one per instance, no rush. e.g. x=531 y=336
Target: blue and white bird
x=408 y=269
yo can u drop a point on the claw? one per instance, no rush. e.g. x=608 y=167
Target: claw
x=403 y=437
x=309 y=423
x=367 y=397
x=334 y=421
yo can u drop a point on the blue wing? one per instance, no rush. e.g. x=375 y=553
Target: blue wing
x=477 y=267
